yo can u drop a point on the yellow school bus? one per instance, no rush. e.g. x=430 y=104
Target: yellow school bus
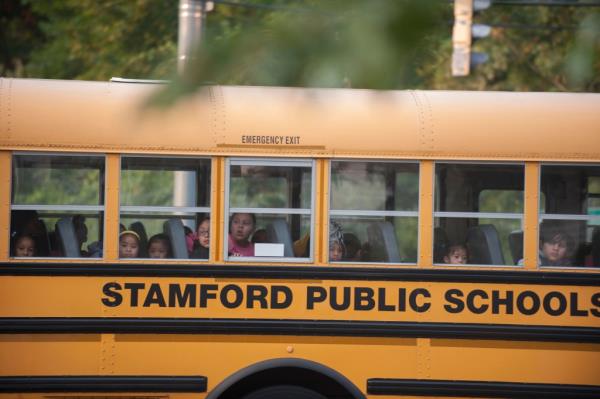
x=269 y=242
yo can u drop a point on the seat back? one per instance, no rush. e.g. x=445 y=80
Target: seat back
x=484 y=245
x=440 y=245
x=596 y=247
x=515 y=243
x=278 y=232
x=382 y=240
x=173 y=228
x=139 y=228
x=68 y=238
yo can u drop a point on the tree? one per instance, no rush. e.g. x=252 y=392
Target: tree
x=377 y=44
x=86 y=39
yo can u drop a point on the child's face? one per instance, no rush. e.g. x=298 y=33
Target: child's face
x=555 y=251
x=335 y=252
x=24 y=247
x=128 y=246
x=241 y=227
x=456 y=257
x=204 y=233
x=158 y=249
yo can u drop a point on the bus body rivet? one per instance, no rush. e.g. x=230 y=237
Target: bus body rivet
x=289 y=349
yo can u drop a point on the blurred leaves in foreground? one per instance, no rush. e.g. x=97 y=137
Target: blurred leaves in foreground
x=376 y=44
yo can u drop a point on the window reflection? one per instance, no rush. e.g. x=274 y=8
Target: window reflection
x=374 y=205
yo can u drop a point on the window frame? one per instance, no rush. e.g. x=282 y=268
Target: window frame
x=475 y=215
x=159 y=212
x=269 y=162
x=561 y=216
x=60 y=208
x=352 y=213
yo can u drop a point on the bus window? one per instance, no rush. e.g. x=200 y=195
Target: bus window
x=374 y=205
x=570 y=216
x=57 y=205
x=269 y=209
x=478 y=214
x=163 y=204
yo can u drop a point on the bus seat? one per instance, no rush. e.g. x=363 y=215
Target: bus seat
x=68 y=238
x=278 y=232
x=440 y=244
x=515 y=242
x=173 y=228
x=382 y=240
x=596 y=247
x=139 y=228
x=484 y=245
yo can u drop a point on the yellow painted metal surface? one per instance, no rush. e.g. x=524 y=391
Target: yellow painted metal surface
x=111 y=207
x=5 y=187
x=219 y=356
x=402 y=301
x=217 y=204
x=531 y=221
x=284 y=122
x=426 y=180
x=320 y=124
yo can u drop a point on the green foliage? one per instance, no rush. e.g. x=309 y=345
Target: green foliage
x=531 y=48
x=86 y=39
x=377 y=44
x=57 y=187
x=19 y=36
x=147 y=188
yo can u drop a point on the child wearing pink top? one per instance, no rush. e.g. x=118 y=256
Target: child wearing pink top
x=240 y=228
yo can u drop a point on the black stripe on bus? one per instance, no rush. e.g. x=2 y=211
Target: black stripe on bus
x=55 y=384
x=303 y=273
x=487 y=389
x=118 y=325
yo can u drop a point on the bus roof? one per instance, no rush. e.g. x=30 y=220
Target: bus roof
x=80 y=116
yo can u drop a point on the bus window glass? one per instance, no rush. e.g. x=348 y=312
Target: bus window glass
x=570 y=216
x=374 y=208
x=478 y=214
x=57 y=206
x=165 y=208
x=269 y=212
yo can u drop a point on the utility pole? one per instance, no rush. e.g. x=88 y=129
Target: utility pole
x=463 y=34
x=192 y=17
x=461 y=37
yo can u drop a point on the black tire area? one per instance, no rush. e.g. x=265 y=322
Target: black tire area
x=284 y=392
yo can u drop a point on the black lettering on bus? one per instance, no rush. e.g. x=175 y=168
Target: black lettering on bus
x=535 y=303
x=562 y=303
x=381 y=305
x=333 y=298
x=402 y=300
x=575 y=311
x=182 y=299
x=315 y=295
x=134 y=289
x=257 y=293
x=286 y=300
x=207 y=291
x=596 y=303
x=473 y=308
x=453 y=296
x=412 y=300
x=111 y=291
x=155 y=296
x=238 y=296
x=507 y=301
x=363 y=298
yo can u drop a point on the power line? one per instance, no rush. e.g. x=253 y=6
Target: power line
x=534 y=27
x=271 y=7
x=547 y=3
